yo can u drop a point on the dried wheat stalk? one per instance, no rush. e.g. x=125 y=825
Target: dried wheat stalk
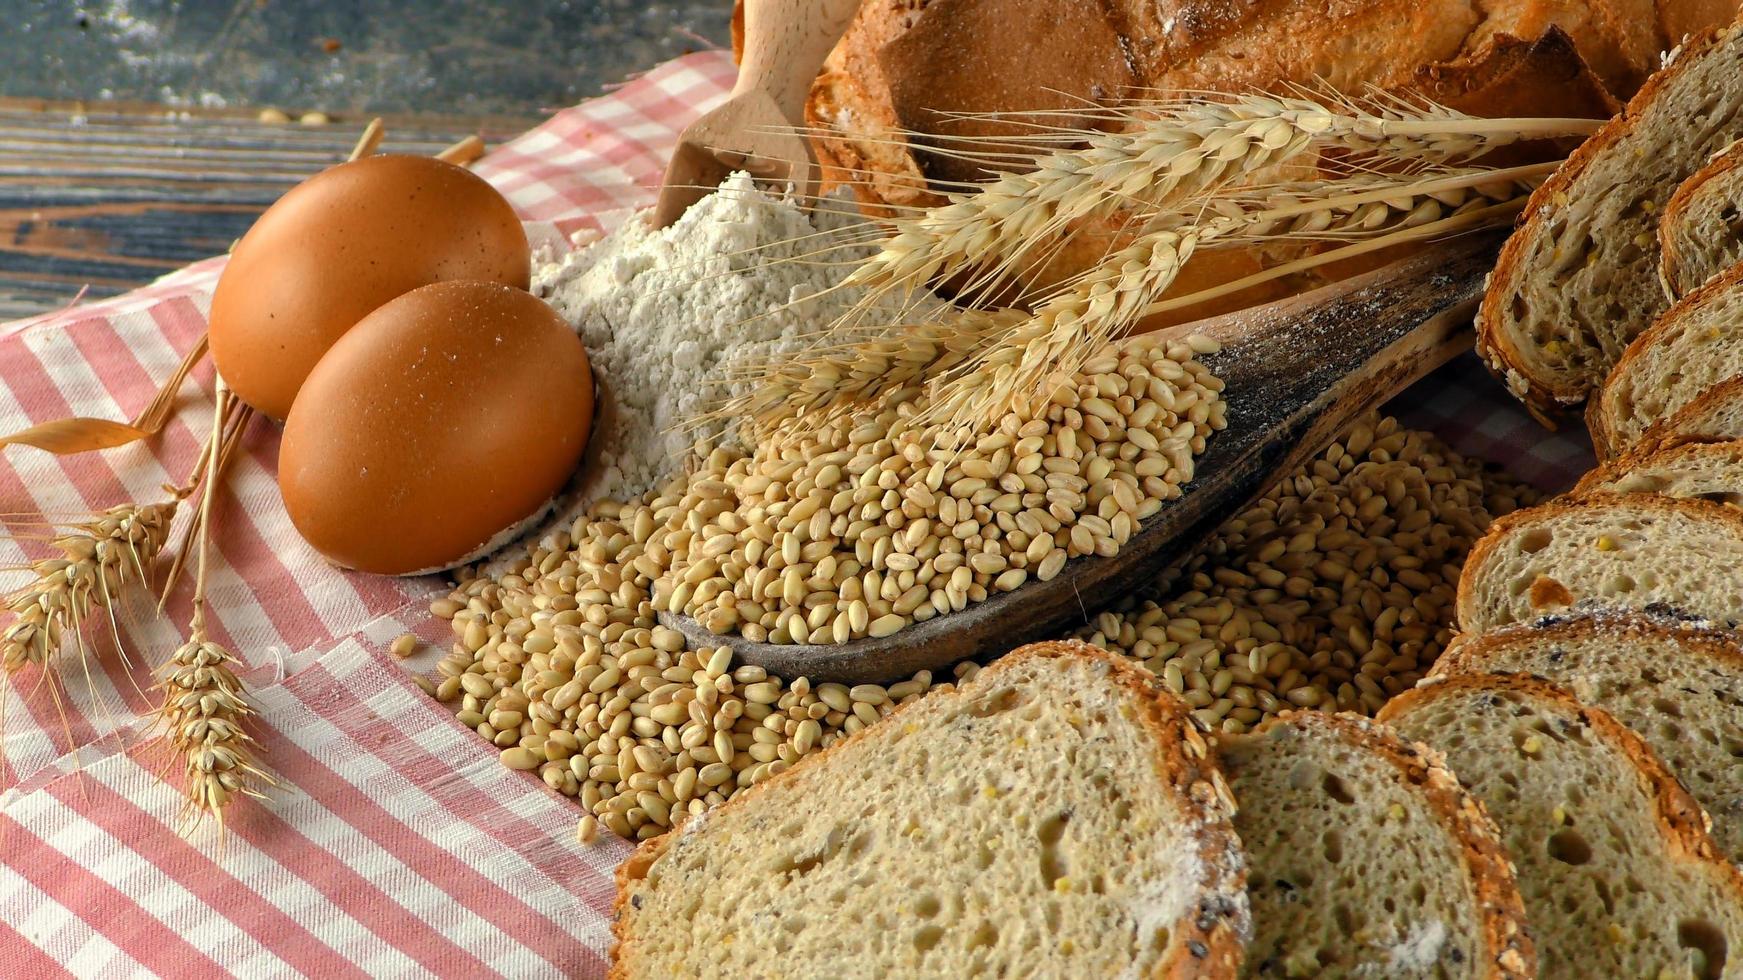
x=1082 y=316
x=980 y=363
x=205 y=708
x=98 y=561
x=1170 y=153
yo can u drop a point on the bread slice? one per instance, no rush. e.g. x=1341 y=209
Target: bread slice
x=1696 y=344
x=1680 y=688
x=1366 y=858
x=1058 y=815
x=1619 y=875
x=1578 y=280
x=1637 y=551
x=1701 y=233
x=1708 y=470
x=1716 y=413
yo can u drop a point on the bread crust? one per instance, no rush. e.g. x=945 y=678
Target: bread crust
x=1545 y=397
x=1470 y=653
x=1504 y=78
x=1656 y=455
x=1672 y=264
x=1681 y=821
x=1601 y=413
x=1185 y=761
x=1485 y=547
x=1507 y=943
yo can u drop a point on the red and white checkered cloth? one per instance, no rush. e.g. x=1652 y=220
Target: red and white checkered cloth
x=397 y=844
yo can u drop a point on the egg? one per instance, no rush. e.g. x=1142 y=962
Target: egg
x=436 y=429
x=338 y=246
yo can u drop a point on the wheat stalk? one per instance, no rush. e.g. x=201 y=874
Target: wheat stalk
x=1171 y=152
x=205 y=707
x=1105 y=302
x=981 y=363
x=99 y=559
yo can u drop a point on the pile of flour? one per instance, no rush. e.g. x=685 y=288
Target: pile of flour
x=666 y=314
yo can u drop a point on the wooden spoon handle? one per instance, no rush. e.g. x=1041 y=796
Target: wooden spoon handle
x=785 y=44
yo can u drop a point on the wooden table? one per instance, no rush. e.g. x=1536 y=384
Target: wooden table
x=103 y=200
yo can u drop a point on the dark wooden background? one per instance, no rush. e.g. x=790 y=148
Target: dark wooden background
x=131 y=131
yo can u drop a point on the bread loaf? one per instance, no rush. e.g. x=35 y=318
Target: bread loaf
x=1701 y=233
x=1578 y=281
x=1694 y=345
x=1058 y=815
x=1342 y=818
x=1619 y=875
x=1679 y=688
x=1708 y=470
x=1636 y=551
x=890 y=89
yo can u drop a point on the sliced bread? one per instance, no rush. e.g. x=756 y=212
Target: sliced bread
x=1058 y=815
x=1579 y=279
x=1701 y=232
x=1680 y=688
x=1716 y=413
x=1708 y=470
x=1619 y=875
x=1637 y=551
x=1366 y=858
x=1696 y=344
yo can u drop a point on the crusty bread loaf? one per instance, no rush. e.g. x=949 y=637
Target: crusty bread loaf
x=1701 y=232
x=905 y=66
x=1579 y=280
x=1694 y=345
x=1637 y=551
x=1619 y=875
x=1058 y=815
x=1708 y=470
x=1366 y=858
x=1680 y=688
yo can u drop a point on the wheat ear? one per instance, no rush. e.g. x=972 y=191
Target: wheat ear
x=1171 y=152
x=205 y=708
x=1105 y=302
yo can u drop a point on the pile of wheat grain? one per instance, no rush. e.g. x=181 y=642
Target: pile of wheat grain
x=1334 y=591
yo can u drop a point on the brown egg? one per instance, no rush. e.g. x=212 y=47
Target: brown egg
x=341 y=244
x=437 y=425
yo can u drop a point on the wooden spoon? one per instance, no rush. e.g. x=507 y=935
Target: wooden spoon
x=1298 y=372
x=757 y=128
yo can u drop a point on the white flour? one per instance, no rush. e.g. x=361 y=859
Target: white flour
x=665 y=314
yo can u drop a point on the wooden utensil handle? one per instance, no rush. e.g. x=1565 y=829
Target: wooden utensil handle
x=785 y=43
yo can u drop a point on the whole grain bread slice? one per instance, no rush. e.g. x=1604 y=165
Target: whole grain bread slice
x=1716 y=413
x=1694 y=345
x=1631 y=551
x=1578 y=280
x=1679 y=687
x=1708 y=470
x=1058 y=815
x=1701 y=233
x=1618 y=873
x=1367 y=858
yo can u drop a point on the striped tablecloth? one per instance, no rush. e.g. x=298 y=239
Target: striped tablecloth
x=396 y=844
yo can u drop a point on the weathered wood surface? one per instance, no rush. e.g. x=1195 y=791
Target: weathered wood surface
x=1297 y=373
x=109 y=200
